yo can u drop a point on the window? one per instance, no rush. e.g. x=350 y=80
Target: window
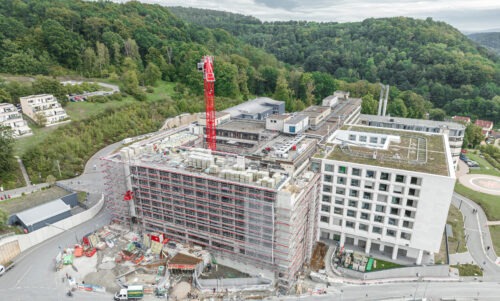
x=416 y=181
x=400 y=178
x=352 y=137
x=392 y=221
x=382 y=187
x=408 y=224
x=370 y=174
x=409 y=213
x=362 y=138
x=411 y=203
x=378 y=219
x=351 y=213
x=315 y=166
x=324 y=219
x=338 y=210
x=391 y=233
x=329 y=167
x=399 y=189
x=382 y=198
x=327 y=188
x=380 y=208
x=405 y=235
x=396 y=200
x=340 y=191
x=377 y=230
x=366 y=206
x=325 y=208
x=363 y=227
x=291 y=129
x=367 y=195
x=369 y=184
x=385 y=176
x=326 y=198
x=349 y=224
x=373 y=139
x=328 y=178
x=353 y=193
x=365 y=216
x=341 y=180
x=356 y=172
x=353 y=204
x=355 y=182
x=342 y=169
x=414 y=192
x=339 y=201
x=394 y=211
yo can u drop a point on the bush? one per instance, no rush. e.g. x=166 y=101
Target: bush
x=149 y=89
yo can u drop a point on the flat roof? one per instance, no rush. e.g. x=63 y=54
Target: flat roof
x=296 y=119
x=280 y=116
x=243 y=125
x=254 y=106
x=42 y=212
x=416 y=151
x=315 y=110
x=218 y=114
x=411 y=121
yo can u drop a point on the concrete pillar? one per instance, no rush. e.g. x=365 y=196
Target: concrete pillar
x=395 y=252
x=368 y=246
x=342 y=239
x=419 y=257
x=356 y=241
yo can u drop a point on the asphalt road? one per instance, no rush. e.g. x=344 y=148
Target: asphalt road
x=478 y=237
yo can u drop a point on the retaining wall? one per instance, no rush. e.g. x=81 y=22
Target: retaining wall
x=422 y=271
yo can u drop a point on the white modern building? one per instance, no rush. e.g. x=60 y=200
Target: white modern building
x=385 y=191
x=43 y=109
x=10 y=117
x=455 y=131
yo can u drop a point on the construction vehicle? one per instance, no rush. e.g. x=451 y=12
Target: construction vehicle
x=206 y=66
x=132 y=292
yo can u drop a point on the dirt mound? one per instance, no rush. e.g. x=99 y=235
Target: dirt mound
x=105 y=278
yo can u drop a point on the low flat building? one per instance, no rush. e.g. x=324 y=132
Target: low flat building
x=384 y=190
x=258 y=109
x=44 y=109
x=10 y=117
x=40 y=216
x=461 y=119
x=317 y=115
x=453 y=130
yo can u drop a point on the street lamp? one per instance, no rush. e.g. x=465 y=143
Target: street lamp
x=416 y=289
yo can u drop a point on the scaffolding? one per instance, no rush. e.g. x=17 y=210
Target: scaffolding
x=233 y=206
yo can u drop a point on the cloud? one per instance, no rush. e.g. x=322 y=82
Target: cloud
x=463 y=14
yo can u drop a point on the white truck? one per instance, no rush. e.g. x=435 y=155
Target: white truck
x=4 y=269
x=132 y=292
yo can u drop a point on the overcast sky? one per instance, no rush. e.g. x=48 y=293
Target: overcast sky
x=466 y=15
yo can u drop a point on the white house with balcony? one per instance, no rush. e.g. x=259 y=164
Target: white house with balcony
x=44 y=109
x=10 y=117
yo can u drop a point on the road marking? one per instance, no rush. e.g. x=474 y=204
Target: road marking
x=24 y=275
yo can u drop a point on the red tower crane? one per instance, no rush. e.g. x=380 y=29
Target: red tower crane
x=206 y=66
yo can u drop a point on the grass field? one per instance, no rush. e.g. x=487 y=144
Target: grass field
x=39 y=134
x=455 y=219
x=495 y=237
x=484 y=166
x=82 y=110
x=468 y=270
x=489 y=203
x=384 y=265
x=31 y=200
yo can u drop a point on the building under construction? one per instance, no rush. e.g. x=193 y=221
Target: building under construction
x=253 y=200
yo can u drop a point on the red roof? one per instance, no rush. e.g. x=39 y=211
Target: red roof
x=485 y=124
x=461 y=118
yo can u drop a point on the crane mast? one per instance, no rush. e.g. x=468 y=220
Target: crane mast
x=206 y=66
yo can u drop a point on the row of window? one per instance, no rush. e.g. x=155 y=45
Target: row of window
x=368 y=205
x=372 y=174
x=370 y=196
x=378 y=218
x=367 y=185
x=374 y=229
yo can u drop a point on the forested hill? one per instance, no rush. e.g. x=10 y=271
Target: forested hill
x=490 y=40
x=431 y=58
